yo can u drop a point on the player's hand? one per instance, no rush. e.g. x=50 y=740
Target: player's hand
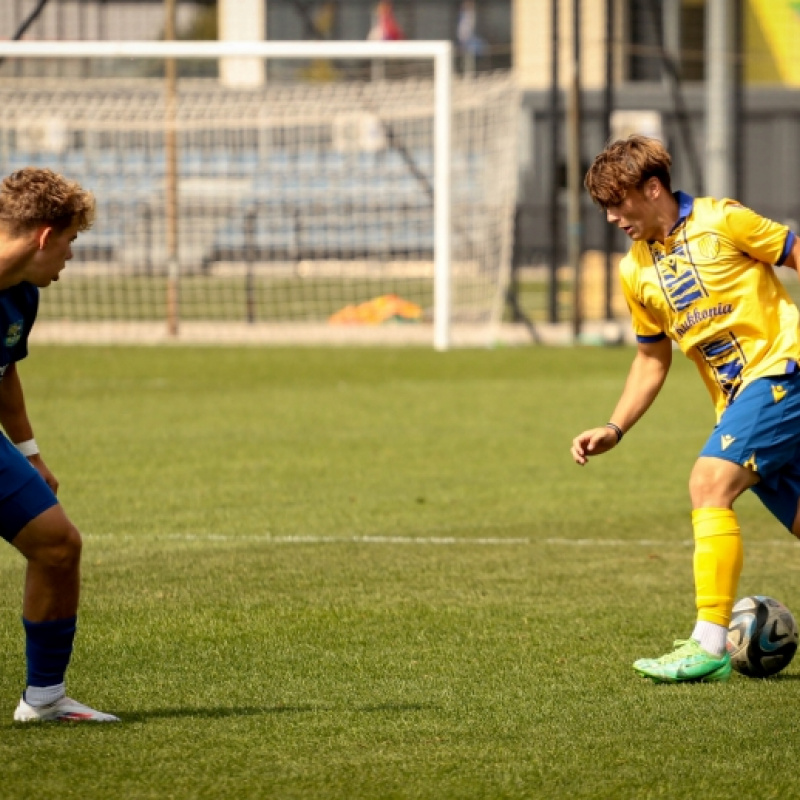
x=593 y=442
x=44 y=471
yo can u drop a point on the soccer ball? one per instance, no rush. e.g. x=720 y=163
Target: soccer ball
x=762 y=637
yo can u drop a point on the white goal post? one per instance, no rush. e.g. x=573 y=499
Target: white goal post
x=439 y=53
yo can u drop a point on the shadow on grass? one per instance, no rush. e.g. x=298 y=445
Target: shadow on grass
x=255 y=711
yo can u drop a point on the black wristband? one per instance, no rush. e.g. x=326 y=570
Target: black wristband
x=616 y=430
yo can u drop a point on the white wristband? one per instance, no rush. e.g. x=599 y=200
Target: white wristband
x=28 y=448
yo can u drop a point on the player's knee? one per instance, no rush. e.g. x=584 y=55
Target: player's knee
x=717 y=483
x=63 y=550
x=701 y=486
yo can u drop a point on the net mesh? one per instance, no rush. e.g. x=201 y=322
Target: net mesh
x=296 y=202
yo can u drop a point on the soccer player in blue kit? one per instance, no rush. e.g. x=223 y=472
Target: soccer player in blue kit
x=41 y=214
x=700 y=274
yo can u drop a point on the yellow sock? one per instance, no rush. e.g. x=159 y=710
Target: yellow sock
x=717 y=563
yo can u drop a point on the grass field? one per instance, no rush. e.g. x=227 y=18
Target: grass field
x=377 y=574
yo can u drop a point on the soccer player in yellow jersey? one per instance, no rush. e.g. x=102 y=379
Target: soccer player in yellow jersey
x=700 y=273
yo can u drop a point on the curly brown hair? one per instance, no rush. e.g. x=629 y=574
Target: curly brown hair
x=31 y=197
x=624 y=164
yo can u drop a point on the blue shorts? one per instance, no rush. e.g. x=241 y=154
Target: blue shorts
x=761 y=431
x=23 y=493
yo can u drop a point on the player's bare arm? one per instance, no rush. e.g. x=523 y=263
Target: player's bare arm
x=15 y=421
x=645 y=378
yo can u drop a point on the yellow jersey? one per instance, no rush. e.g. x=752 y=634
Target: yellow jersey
x=712 y=289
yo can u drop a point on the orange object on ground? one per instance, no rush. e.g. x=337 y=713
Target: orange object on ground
x=386 y=308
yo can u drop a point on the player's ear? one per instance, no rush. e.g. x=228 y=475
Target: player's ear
x=43 y=236
x=652 y=188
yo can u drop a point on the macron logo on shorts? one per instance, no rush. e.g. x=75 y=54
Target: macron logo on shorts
x=727 y=441
x=778 y=393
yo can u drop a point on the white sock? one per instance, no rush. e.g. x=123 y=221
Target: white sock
x=712 y=637
x=44 y=695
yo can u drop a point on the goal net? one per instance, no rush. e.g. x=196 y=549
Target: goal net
x=309 y=207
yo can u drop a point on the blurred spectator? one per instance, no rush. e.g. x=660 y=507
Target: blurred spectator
x=471 y=44
x=384 y=25
x=324 y=19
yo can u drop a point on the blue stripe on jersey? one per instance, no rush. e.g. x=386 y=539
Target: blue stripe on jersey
x=650 y=339
x=787 y=248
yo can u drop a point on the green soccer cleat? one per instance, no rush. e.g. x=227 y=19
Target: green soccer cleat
x=687 y=663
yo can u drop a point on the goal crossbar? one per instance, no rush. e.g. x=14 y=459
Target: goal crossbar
x=440 y=52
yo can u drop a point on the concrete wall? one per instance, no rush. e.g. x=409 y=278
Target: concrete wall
x=532 y=42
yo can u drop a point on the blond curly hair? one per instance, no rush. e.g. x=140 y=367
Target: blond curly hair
x=31 y=197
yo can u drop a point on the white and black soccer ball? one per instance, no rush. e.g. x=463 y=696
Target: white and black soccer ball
x=762 y=637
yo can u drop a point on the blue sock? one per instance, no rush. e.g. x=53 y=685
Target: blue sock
x=48 y=648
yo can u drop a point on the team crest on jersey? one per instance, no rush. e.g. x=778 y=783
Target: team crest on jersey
x=14 y=333
x=709 y=246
